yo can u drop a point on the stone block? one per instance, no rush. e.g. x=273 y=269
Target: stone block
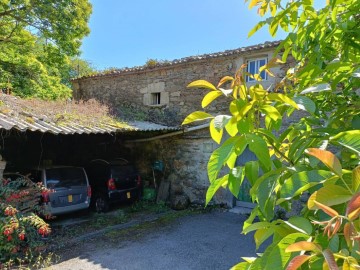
x=180 y=202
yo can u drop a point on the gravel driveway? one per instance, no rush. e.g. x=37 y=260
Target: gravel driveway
x=203 y=241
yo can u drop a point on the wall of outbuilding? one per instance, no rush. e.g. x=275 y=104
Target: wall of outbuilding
x=185 y=160
x=185 y=156
x=130 y=91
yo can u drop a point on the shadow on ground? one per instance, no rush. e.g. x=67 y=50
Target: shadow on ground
x=198 y=241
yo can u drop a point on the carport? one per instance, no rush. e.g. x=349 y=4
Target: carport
x=31 y=136
x=35 y=133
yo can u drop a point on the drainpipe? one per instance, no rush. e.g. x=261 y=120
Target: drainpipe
x=185 y=130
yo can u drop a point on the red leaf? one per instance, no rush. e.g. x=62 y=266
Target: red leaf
x=224 y=80
x=330 y=259
x=297 y=261
x=353 y=207
x=328 y=210
x=348 y=233
x=328 y=158
x=303 y=245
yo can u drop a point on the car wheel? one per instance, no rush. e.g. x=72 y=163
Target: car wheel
x=101 y=204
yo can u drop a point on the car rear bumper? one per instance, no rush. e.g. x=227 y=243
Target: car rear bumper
x=124 y=195
x=67 y=209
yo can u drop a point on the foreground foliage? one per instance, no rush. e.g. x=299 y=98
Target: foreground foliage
x=37 y=41
x=21 y=229
x=296 y=161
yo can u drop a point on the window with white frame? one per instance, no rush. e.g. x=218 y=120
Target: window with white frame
x=155 y=98
x=253 y=67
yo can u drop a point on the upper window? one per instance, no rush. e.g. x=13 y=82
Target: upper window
x=253 y=67
x=155 y=98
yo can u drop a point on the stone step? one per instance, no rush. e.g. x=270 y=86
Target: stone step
x=241 y=210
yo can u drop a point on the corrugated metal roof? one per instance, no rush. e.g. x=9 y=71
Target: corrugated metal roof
x=11 y=122
x=268 y=44
x=14 y=115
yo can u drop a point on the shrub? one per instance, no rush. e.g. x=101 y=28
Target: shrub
x=21 y=227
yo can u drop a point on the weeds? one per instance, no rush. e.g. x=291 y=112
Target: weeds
x=149 y=206
x=87 y=113
x=31 y=262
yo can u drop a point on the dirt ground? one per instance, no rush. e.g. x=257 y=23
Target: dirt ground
x=196 y=241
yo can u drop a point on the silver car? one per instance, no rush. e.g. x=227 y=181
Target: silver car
x=69 y=188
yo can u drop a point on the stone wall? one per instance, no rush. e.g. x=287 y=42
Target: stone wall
x=130 y=93
x=185 y=160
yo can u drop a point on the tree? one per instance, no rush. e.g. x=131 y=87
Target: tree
x=323 y=83
x=80 y=67
x=37 y=39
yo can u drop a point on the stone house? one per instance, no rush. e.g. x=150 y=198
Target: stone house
x=157 y=93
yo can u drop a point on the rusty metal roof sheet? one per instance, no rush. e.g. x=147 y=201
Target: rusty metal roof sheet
x=266 y=45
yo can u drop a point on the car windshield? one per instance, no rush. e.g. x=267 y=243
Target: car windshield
x=122 y=171
x=65 y=177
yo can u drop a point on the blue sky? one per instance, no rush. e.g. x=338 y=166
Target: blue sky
x=126 y=33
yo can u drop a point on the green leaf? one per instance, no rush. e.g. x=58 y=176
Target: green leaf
x=244 y=125
x=261 y=235
x=236 y=178
x=334 y=243
x=231 y=161
x=252 y=171
x=196 y=116
x=210 y=97
x=266 y=196
x=251 y=218
x=231 y=127
x=356 y=179
x=283 y=99
x=305 y=104
x=277 y=258
x=270 y=111
x=256 y=28
x=302 y=181
x=202 y=84
x=221 y=155
x=273 y=27
x=216 y=134
x=254 y=189
x=300 y=224
x=317 y=88
x=258 y=146
x=349 y=139
x=245 y=109
x=329 y=195
x=328 y=158
x=257 y=226
x=214 y=186
x=269 y=135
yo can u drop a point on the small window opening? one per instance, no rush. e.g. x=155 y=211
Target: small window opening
x=155 y=98
x=253 y=67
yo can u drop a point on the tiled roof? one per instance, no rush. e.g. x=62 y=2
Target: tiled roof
x=268 y=44
x=15 y=116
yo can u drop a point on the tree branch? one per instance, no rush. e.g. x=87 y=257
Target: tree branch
x=9 y=11
x=10 y=35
